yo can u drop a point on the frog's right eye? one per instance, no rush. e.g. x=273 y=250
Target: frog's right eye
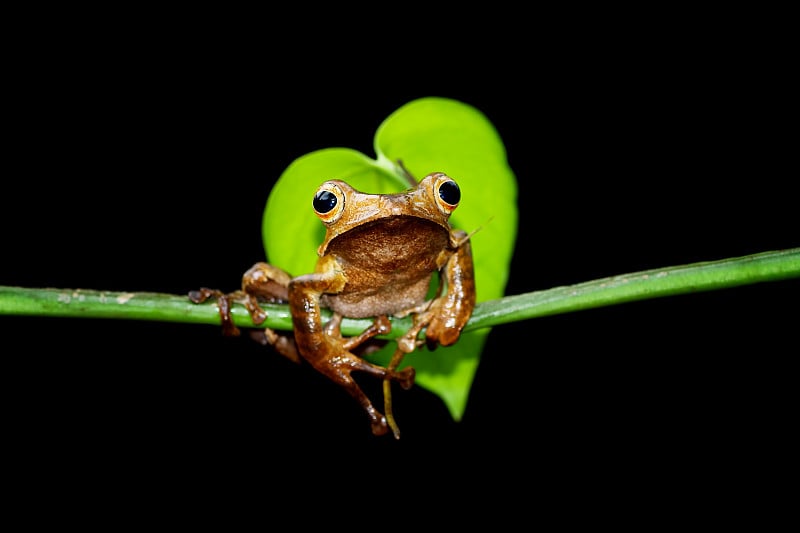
x=329 y=202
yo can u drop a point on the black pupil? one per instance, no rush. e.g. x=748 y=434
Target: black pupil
x=324 y=201
x=449 y=192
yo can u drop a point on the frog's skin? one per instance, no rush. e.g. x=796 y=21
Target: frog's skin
x=377 y=259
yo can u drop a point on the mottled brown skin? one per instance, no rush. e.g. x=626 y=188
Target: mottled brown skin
x=377 y=259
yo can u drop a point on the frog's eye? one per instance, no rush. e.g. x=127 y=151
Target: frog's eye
x=448 y=194
x=329 y=202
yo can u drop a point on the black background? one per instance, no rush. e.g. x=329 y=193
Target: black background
x=128 y=170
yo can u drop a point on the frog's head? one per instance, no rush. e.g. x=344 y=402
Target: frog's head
x=343 y=208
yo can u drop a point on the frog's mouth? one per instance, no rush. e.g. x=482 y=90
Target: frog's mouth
x=390 y=236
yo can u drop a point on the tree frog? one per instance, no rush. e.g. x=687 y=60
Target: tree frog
x=377 y=259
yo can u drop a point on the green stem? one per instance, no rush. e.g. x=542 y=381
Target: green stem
x=647 y=284
x=669 y=281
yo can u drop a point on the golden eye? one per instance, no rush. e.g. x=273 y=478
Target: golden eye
x=329 y=202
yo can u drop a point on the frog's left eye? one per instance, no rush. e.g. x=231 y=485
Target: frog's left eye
x=329 y=202
x=448 y=194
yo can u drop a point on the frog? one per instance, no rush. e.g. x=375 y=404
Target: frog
x=380 y=257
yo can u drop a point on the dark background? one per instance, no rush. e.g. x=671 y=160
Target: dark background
x=132 y=171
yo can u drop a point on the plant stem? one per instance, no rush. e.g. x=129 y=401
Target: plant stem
x=647 y=284
x=669 y=281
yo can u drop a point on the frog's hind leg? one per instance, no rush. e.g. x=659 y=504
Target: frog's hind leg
x=341 y=371
x=380 y=326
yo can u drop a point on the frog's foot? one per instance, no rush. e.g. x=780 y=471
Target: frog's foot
x=378 y=423
x=266 y=283
x=223 y=305
x=339 y=369
x=410 y=340
x=262 y=282
x=405 y=377
x=283 y=344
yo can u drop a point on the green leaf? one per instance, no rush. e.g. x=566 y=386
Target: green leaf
x=427 y=135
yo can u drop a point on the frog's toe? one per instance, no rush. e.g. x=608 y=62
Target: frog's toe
x=202 y=294
x=197 y=297
x=258 y=316
x=379 y=426
x=405 y=377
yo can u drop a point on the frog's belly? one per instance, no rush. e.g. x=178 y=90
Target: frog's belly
x=387 y=300
x=388 y=264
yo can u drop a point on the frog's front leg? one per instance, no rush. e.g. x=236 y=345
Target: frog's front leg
x=445 y=316
x=450 y=312
x=262 y=282
x=324 y=348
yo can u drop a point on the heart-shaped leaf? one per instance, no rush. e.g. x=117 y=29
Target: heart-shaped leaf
x=426 y=135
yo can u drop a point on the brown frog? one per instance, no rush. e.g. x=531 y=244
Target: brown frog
x=377 y=260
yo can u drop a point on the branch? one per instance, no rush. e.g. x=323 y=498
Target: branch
x=669 y=281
